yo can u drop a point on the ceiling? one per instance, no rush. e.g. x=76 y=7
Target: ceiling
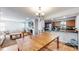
x=22 y=13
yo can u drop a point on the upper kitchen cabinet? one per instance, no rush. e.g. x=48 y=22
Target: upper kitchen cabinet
x=70 y=23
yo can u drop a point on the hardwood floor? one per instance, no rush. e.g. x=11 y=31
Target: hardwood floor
x=63 y=47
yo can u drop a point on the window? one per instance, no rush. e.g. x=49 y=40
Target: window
x=2 y=26
x=63 y=25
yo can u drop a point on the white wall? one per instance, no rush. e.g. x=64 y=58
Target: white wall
x=13 y=26
x=41 y=25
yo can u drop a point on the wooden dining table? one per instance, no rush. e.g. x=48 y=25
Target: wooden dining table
x=37 y=42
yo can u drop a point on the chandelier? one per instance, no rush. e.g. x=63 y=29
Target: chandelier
x=40 y=13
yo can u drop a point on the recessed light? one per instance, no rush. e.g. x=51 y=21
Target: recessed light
x=27 y=18
x=1 y=12
x=65 y=17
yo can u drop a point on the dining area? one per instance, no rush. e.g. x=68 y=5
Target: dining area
x=21 y=29
x=46 y=41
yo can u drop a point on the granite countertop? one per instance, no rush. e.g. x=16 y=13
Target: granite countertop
x=72 y=31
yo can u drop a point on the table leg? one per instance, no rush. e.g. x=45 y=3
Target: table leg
x=10 y=36
x=57 y=43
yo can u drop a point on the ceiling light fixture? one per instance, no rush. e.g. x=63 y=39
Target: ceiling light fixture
x=40 y=9
x=40 y=12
